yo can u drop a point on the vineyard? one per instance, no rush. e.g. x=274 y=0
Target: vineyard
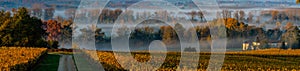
x=15 y=59
x=270 y=52
x=249 y=60
x=19 y=58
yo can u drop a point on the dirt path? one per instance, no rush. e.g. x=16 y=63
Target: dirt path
x=66 y=63
x=84 y=64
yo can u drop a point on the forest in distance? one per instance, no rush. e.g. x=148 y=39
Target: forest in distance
x=59 y=35
x=57 y=31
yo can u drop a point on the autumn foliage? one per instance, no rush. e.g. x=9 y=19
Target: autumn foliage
x=53 y=29
x=269 y=60
x=19 y=58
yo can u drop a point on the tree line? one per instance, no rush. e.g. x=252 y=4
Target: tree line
x=21 y=28
x=234 y=29
x=235 y=23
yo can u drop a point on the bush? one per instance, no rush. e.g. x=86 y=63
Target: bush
x=41 y=43
x=53 y=44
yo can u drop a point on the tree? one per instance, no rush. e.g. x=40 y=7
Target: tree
x=115 y=14
x=148 y=33
x=291 y=36
x=99 y=35
x=297 y=1
x=201 y=15
x=258 y=19
x=231 y=23
x=49 y=13
x=66 y=32
x=148 y=29
x=193 y=14
x=236 y=15
x=59 y=19
x=274 y=14
x=86 y=35
x=291 y=14
x=250 y=17
x=53 y=28
x=4 y=16
x=178 y=27
x=242 y=15
x=242 y=26
x=168 y=34
x=4 y=24
x=219 y=15
x=108 y=16
x=123 y=31
x=22 y=30
x=278 y=25
x=129 y=16
x=14 y=10
x=226 y=14
x=104 y=15
x=118 y=11
x=37 y=10
x=53 y=44
x=70 y=13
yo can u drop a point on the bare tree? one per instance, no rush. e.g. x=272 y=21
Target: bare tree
x=274 y=14
x=70 y=13
x=49 y=13
x=242 y=15
x=236 y=15
x=37 y=10
x=201 y=15
x=193 y=14
x=250 y=17
x=226 y=14
x=258 y=19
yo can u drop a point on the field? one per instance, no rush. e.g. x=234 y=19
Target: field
x=271 y=59
x=270 y=52
x=56 y=60
x=48 y=63
x=17 y=58
x=14 y=58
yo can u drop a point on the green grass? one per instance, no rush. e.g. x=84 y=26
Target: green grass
x=49 y=63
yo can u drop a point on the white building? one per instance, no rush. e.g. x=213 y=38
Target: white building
x=246 y=46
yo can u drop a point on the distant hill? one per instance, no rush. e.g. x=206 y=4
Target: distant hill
x=184 y=4
x=59 y=4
